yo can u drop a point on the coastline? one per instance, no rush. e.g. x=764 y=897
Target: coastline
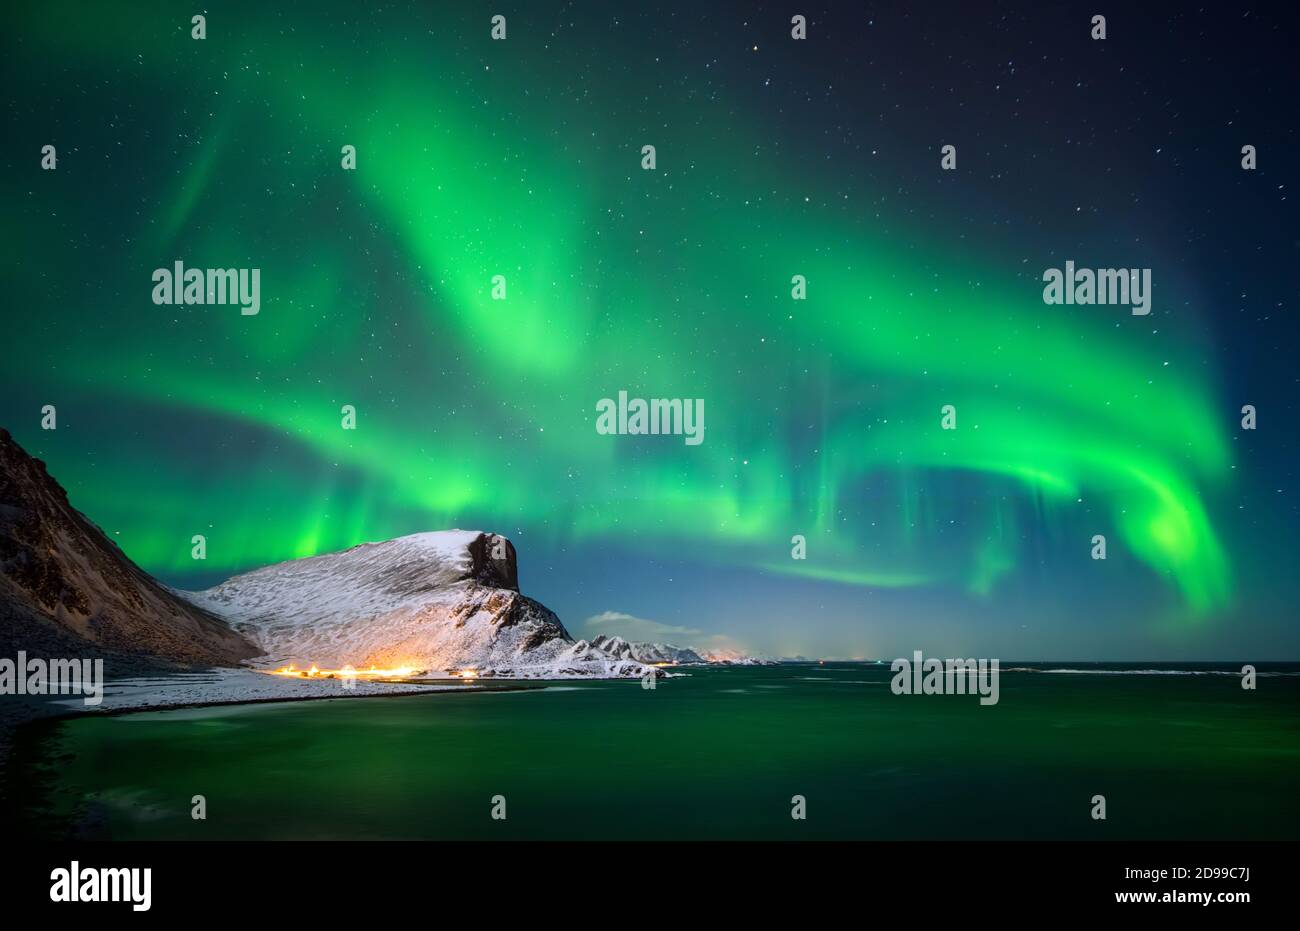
x=213 y=687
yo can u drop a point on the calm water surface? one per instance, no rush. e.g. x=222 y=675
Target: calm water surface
x=718 y=754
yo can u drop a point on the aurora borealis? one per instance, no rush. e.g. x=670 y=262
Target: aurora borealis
x=775 y=158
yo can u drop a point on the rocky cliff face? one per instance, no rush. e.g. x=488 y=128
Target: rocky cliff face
x=66 y=589
x=446 y=600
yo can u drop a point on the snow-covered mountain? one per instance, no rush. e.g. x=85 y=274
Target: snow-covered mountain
x=445 y=600
x=736 y=658
x=433 y=601
x=648 y=652
x=675 y=655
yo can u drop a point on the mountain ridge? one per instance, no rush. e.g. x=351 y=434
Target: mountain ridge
x=67 y=589
x=438 y=600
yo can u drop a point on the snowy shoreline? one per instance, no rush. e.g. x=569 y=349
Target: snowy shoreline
x=243 y=686
x=211 y=688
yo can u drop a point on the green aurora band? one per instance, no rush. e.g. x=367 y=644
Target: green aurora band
x=673 y=283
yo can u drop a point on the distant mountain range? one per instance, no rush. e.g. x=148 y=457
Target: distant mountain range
x=668 y=653
x=647 y=652
x=437 y=601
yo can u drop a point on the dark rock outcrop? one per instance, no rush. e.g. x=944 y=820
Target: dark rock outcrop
x=66 y=589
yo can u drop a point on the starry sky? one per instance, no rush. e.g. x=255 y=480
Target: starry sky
x=775 y=157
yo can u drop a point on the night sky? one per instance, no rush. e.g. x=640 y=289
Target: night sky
x=775 y=157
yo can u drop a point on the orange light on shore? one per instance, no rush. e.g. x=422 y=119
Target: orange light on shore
x=347 y=672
